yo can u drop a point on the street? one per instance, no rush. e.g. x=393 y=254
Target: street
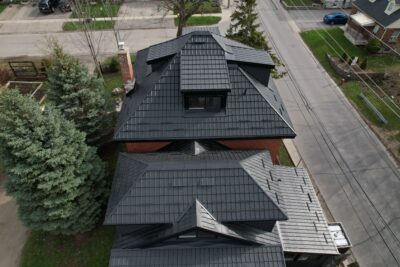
x=355 y=174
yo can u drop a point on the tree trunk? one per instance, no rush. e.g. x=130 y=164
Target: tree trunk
x=181 y=24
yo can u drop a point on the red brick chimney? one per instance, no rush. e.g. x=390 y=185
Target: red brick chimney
x=125 y=64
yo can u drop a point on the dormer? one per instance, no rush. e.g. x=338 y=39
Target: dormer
x=204 y=76
x=391 y=7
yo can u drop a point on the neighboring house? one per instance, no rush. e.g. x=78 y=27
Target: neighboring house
x=379 y=18
x=205 y=191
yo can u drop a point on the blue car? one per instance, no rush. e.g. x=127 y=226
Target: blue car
x=336 y=18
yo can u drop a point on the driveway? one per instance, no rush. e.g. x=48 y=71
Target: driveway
x=357 y=177
x=12 y=233
x=30 y=11
x=311 y=19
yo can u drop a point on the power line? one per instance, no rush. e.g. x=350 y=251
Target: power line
x=336 y=160
x=355 y=72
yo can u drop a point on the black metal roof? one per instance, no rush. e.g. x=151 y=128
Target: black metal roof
x=306 y=231
x=376 y=10
x=158 y=188
x=211 y=29
x=201 y=60
x=271 y=256
x=206 y=69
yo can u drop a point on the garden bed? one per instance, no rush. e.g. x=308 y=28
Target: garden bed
x=32 y=89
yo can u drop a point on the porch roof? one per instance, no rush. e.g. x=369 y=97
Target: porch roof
x=362 y=19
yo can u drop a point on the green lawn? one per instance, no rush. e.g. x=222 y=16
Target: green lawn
x=315 y=41
x=97 y=10
x=44 y=250
x=2 y=7
x=201 y=20
x=299 y=2
x=353 y=89
x=111 y=81
x=95 y=25
x=284 y=158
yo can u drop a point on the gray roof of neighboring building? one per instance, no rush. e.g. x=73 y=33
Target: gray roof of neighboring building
x=154 y=110
x=306 y=231
x=211 y=29
x=376 y=10
x=157 y=188
x=271 y=256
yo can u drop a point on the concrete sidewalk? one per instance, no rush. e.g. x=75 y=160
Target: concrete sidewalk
x=13 y=234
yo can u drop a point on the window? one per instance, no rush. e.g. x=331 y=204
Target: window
x=376 y=29
x=212 y=103
x=394 y=36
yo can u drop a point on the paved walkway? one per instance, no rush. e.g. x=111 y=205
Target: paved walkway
x=353 y=170
x=12 y=233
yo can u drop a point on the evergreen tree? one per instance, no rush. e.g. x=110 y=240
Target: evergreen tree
x=79 y=96
x=244 y=29
x=56 y=179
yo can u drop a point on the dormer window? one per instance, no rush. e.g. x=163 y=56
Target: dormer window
x=205 y=102
x=391 y=7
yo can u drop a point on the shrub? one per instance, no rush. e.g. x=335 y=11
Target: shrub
x=344 y=57
x=363 y=64
x=373 y=46
x=110 y=65
x=5 y=76
x=114 y=64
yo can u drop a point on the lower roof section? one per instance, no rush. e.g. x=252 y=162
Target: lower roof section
x=266 y=256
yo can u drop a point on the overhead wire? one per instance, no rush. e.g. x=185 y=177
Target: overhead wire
x=326 y=141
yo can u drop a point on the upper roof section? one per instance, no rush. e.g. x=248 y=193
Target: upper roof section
x=235 y=51
x=207 y=63
x=159 y=188
x=380 y=10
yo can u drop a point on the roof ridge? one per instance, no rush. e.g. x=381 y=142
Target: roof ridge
x=126 y=156
x=251 y=80
x=261 y=187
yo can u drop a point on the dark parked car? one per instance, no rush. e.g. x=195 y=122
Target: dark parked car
x=49 y=6
x=336 y=18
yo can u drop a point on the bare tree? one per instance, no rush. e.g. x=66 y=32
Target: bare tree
x=86 y=24
x=184 y=10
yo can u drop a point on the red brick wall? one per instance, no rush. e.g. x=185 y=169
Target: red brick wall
x=126 y=66
x=143 y=147
x=272 y=145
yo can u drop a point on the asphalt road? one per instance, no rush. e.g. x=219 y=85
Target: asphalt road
x=355 y=174
x=15 y=45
